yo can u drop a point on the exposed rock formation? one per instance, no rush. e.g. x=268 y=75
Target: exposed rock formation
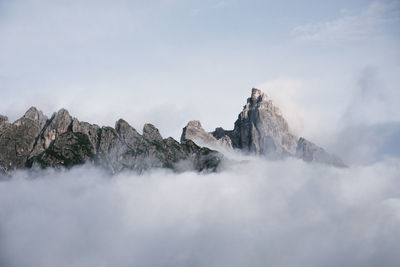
x=17 y=140
x=35 y=141
x=195 y=132
x=262 y=130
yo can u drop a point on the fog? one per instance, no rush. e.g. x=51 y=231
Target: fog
x=251 y=213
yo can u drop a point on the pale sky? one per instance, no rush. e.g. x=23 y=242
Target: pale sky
x=327 y=64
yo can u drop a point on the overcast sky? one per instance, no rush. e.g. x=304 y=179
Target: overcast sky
x=327 y=65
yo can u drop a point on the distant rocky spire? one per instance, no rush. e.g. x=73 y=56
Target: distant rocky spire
x=37 y=116
x=262 y=130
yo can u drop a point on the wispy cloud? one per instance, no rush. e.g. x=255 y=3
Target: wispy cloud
x=374 y=19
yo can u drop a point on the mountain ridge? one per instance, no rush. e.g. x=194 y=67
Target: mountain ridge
x=37 y=141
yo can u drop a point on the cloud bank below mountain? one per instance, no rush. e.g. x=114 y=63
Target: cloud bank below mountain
x=256 y=213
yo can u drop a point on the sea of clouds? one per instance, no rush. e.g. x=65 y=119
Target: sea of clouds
x=251 y=213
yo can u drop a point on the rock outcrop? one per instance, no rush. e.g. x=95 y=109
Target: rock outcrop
x=262 y=130
x=64 y=141
x=195 y=132
x=17 y=141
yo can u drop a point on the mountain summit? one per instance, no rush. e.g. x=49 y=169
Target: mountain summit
x=261 y=129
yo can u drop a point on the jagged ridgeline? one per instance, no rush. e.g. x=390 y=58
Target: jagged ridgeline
x=261 y=130
x=63 y=141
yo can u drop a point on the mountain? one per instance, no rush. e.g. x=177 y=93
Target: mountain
x=36 y=141
x=63 y=141
x=262 y=130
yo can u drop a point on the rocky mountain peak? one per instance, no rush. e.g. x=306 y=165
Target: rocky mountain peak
x=37 y=116
x=121 y=126
x=257 y=96
x=260 y=129
x=193 y=124
x=150 y=132
x=128 y=133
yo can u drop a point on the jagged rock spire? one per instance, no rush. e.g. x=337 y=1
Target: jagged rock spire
x=37 y=116
x=261 y=129
x=151 y=133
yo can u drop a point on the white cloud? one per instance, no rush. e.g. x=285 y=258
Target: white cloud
x=370 y=22
x=256 y=213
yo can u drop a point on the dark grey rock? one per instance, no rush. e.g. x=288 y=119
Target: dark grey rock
x=91 y=130
x=67 y=150
x=151 y=133
x=58 y=124
x=16 y=142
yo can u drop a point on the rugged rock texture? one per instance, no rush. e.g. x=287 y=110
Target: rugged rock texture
x=36 y=141
x=37 y=116
x=3 y=121
x=195 y=132
x=17 y=140
x=261 y=129
x=63 y=141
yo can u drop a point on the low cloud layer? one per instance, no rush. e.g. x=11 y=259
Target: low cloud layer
x=255 y=213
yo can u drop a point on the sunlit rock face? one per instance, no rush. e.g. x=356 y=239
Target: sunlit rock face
x=64 y=141
x=261 y=129
x=194 y=131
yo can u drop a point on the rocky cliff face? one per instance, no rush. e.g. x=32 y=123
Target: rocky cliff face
x=195 y=132
x=63 y=141
x=262 y=130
